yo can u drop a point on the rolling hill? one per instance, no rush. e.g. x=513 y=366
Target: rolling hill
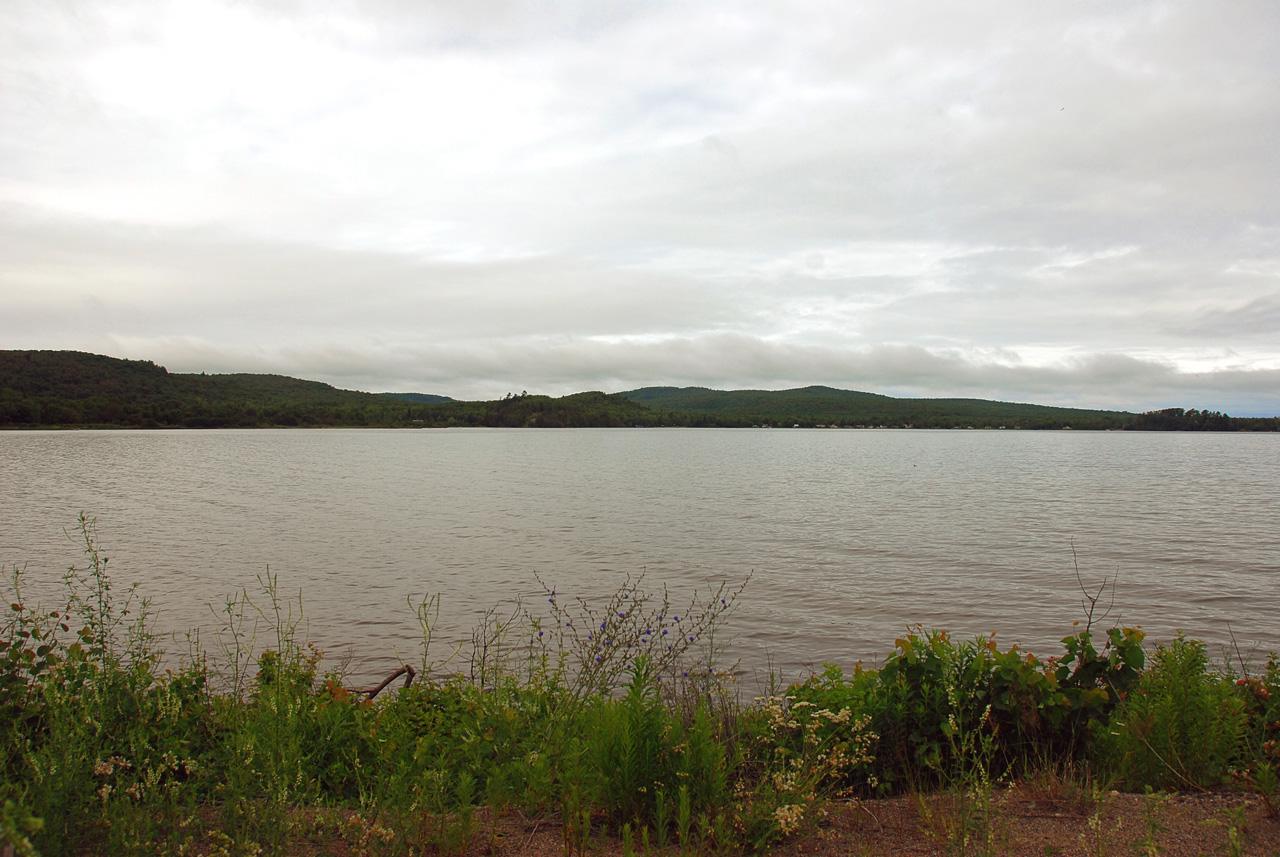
x=813 y=406
x=69 y=389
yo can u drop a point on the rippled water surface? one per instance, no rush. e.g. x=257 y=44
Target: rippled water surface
x=849 y=536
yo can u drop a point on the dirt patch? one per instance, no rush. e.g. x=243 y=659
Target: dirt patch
x=1028 y=819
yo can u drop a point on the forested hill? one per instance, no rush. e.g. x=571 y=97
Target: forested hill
x=829 y=406
x=819 y=406
x=71 y=388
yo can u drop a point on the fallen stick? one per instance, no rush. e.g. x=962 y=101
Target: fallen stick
x=374 y=691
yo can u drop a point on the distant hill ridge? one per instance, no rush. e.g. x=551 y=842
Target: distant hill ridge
x=75 y=389
x=70 y=388
x=828 y=406
x=818 y=405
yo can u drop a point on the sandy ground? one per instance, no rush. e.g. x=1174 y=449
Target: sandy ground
x=1043 y=820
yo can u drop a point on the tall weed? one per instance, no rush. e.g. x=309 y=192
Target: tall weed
x=1180 y=727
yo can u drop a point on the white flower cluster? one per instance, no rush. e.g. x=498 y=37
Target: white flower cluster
x=789 y=818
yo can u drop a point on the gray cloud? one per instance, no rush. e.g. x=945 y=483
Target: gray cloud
x=1070 y=204
x=734 y=360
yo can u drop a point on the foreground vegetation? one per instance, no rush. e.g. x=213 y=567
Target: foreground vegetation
x=612 y=719
x=67 y=389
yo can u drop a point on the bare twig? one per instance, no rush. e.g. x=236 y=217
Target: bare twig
x=1244 y=670
x=405 y=670
x=1090 y=602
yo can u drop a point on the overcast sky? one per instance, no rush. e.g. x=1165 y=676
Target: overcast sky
x=1059 y=202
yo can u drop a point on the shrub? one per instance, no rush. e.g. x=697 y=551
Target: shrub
x=1180 y=726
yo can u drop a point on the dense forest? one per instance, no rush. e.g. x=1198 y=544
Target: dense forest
x=1177 y=419
x=825 y=406
x=828 y=407
x=73 y=389
x=580 y=410
x=70 y=389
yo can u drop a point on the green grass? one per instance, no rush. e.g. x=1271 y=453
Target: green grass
x=581 y=713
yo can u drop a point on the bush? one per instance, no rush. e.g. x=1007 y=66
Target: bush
x=1180 y=727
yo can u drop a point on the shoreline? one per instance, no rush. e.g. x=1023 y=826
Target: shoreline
x=613 y=724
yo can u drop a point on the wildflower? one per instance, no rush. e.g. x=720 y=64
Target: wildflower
x=788 y=818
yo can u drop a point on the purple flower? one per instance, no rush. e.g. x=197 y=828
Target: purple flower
x=664 y=632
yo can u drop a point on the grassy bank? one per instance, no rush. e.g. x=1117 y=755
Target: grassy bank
x=609 y=720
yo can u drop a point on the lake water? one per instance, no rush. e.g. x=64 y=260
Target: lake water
x=848 y=536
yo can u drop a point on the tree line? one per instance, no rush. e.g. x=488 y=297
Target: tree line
x=48 y=389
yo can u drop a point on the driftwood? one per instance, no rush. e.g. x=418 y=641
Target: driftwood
x=371 y=692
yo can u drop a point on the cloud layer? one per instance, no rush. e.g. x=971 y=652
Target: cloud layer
x=1070 y=204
